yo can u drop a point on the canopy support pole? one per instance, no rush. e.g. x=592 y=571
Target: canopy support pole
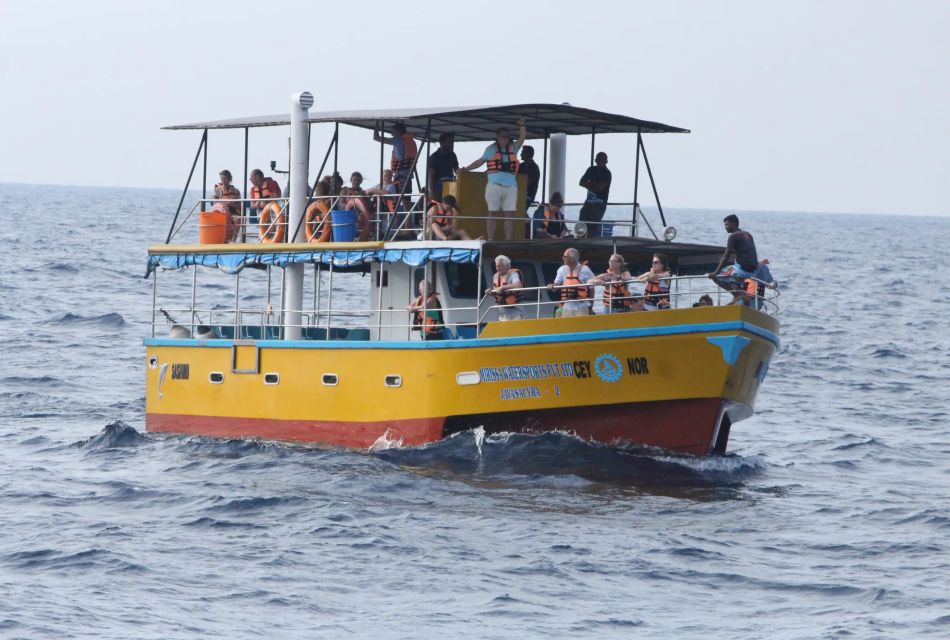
x=299 y=179
x=194 y=297
x=184 y=192
x=428 y=153
x=330 y=296
x=380 y=280
x=636 y=187
x=204 y=174
x=656 y=196
x=244 y=207
x=558 y=162
x=237 y=306
x=593 y=139
x=380 y=203
x=544 y=171
x=336 y=154
x=323 y=165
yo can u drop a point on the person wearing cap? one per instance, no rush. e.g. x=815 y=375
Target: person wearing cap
x=530 y=169
x=501 y=192
x=442 y=166
x=597 y=182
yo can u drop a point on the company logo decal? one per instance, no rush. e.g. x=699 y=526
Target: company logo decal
x=608 y=367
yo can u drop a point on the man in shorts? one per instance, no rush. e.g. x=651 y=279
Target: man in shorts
x=501 y=192
x=740 y=247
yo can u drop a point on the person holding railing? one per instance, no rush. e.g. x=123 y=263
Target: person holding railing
x=440 y=221
x=656 y=287
x=501 y=191
x=262 y=189
x=549 y=219
x=572 y=278
x=442 y=165
x=227 y=199
x=427 y=313
x=740 y=247
x=617 y=297
x=506 y=288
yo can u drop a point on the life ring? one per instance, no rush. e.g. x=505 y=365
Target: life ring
x=317 y=222
x=271 y=232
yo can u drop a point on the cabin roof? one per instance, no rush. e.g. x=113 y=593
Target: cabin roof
x=467 y=123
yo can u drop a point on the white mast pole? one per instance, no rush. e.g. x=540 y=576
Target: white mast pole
x=300 y=103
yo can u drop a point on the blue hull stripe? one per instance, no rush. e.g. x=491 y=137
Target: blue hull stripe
x=585 y=336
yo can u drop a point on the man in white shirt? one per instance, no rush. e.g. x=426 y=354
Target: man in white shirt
x=573 y=276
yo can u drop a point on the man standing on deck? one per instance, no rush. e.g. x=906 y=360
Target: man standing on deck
x=442 y=165
x=531 y=169
x=597 y=182
x=745 y=261
x=501 y=192
x=403 y=156
x=262 y=189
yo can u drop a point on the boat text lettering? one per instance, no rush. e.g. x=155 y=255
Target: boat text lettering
x=637 y=366
x=582 y=368
x=518 y=393
x=527 y=372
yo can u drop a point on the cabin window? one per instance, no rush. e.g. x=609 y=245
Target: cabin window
x=331 y=379
x=529 y=279
x=393 y=380
x=271 y=378
x=549 y=271
x=215 y=377
x=462 y=280
x=153 y=362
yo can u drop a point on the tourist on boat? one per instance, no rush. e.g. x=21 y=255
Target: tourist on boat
x=740 y=248
x=549 y=219
x=704 y=301
x=531 y=169
x=441 y=221
x=617 y=296
x=506 y=288
x=427 y=313
x=656 y=284
x=572 y=277
x=227 y=200
x=403 y=155
x=382 y=203
x=501 y=192
x=442 y=165
x=597 y=182
x=356 y=183
x=263 y=188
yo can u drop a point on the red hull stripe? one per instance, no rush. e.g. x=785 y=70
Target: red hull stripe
x=680 y=425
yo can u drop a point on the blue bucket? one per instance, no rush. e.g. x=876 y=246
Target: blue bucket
x=344 y=225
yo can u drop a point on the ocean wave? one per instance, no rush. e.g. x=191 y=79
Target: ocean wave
x=107 y=320
x=113 y=435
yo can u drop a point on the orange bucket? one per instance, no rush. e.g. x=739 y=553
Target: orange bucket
x=212 y=227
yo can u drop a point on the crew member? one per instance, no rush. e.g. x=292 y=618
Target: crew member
x=597 y=182
x=740 y=248
x=531 y=169
x=506 y=288
x=442 y=165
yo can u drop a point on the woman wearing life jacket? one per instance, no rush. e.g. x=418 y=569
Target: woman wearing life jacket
x=572 y=278
x=506 y=288
x=440 y=221
x=227 y=200
x=617 y=297
x=656 y=287
x=427 y=314
x=549 y=219
x=262 y=189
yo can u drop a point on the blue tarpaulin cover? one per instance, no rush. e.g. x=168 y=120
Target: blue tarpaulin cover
x=235 y=261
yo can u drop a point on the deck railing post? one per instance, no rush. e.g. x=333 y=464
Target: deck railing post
x=299 y=179
x=656 y=196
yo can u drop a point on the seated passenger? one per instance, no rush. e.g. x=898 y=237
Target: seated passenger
x=356 y=183
x=549 y=220
x=427 y=313
x=617 y=296
x=704 y=301
x=351 y=201
x=740 y=247
x=227 y=198
x=506 y=287
x=573 y=277
x=656 y=288
x=262 y=189
x=440 y=223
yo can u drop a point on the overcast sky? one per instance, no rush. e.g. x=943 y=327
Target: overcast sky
x=803 y=106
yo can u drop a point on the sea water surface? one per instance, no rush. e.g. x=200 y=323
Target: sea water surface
x=830 y=516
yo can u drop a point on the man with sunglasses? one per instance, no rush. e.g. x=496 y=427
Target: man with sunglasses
x=501 y=192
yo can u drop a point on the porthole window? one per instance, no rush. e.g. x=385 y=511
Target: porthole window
x=466 y=378
x=331 y=379
x=152 y=362
x=271 y=378
x=215 y=377
x=393 y=380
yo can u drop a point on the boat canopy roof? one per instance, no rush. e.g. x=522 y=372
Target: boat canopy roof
x=232 y=258
x=467 y=123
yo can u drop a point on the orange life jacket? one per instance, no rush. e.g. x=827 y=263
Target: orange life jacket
x=403 y=166
x=440 y=218
x=512 y=296
x=617 y=296
x=430 y=326
x=576 y=291
x=553 y=221
x=658 y=293
x=507 y=161
x=270 y=189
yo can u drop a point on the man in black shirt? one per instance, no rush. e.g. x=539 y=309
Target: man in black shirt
x=597 y=182
x=740 y=247
x=442 y=165
x=530 y=168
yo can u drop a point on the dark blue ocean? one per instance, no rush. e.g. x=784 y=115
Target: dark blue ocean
x=830 y=516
